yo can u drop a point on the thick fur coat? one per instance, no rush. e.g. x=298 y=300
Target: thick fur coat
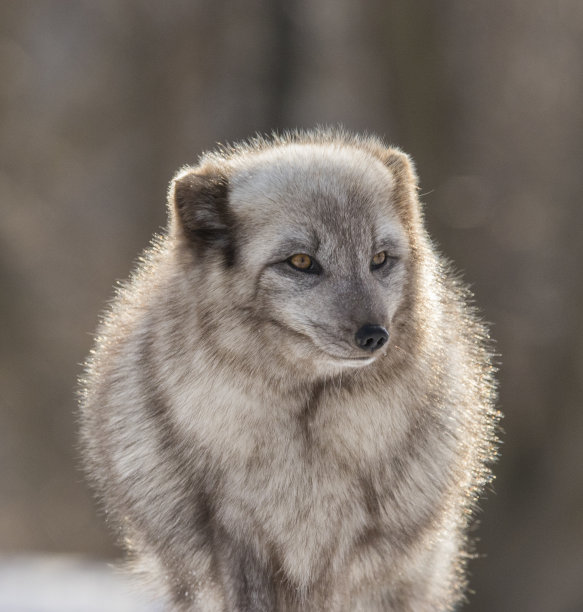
x=252 y=454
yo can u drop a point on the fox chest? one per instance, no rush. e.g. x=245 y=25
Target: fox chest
x=297 y=499
x=305 y=493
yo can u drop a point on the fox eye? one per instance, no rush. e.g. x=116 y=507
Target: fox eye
x=302 y=261
x=378 y=260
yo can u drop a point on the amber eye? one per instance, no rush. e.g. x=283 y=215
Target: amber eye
x=378 y=260
x=301 y=261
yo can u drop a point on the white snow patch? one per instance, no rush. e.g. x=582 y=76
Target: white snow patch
x=66 y=583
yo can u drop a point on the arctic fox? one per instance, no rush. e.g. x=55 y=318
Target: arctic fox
x=290 y=405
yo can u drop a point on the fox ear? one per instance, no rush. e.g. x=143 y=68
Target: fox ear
x=405 y=188
x=401 y=165
x=199 y=203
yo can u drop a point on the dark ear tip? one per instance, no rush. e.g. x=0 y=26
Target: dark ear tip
x=199 y=205
x=190 y=183
x=192 y=188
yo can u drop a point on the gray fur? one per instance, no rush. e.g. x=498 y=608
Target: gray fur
x=250 y=455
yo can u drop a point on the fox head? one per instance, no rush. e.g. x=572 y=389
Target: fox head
x=301 y=250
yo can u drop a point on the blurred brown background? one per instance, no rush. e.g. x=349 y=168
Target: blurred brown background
x=100 y=102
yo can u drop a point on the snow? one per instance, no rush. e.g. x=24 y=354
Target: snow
x=67 y=584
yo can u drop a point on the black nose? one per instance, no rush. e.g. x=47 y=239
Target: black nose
x=371 y=337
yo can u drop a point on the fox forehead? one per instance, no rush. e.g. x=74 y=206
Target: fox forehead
x=298 y=171
x=309 y=191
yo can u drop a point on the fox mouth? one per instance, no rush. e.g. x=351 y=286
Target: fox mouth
x=334 y=354
x=331 y=350
x=353 y=362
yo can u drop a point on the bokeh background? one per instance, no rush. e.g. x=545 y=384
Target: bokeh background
x=100 y=102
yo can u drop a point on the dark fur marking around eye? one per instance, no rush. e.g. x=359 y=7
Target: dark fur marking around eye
x=313 y=266
x=387 y=262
